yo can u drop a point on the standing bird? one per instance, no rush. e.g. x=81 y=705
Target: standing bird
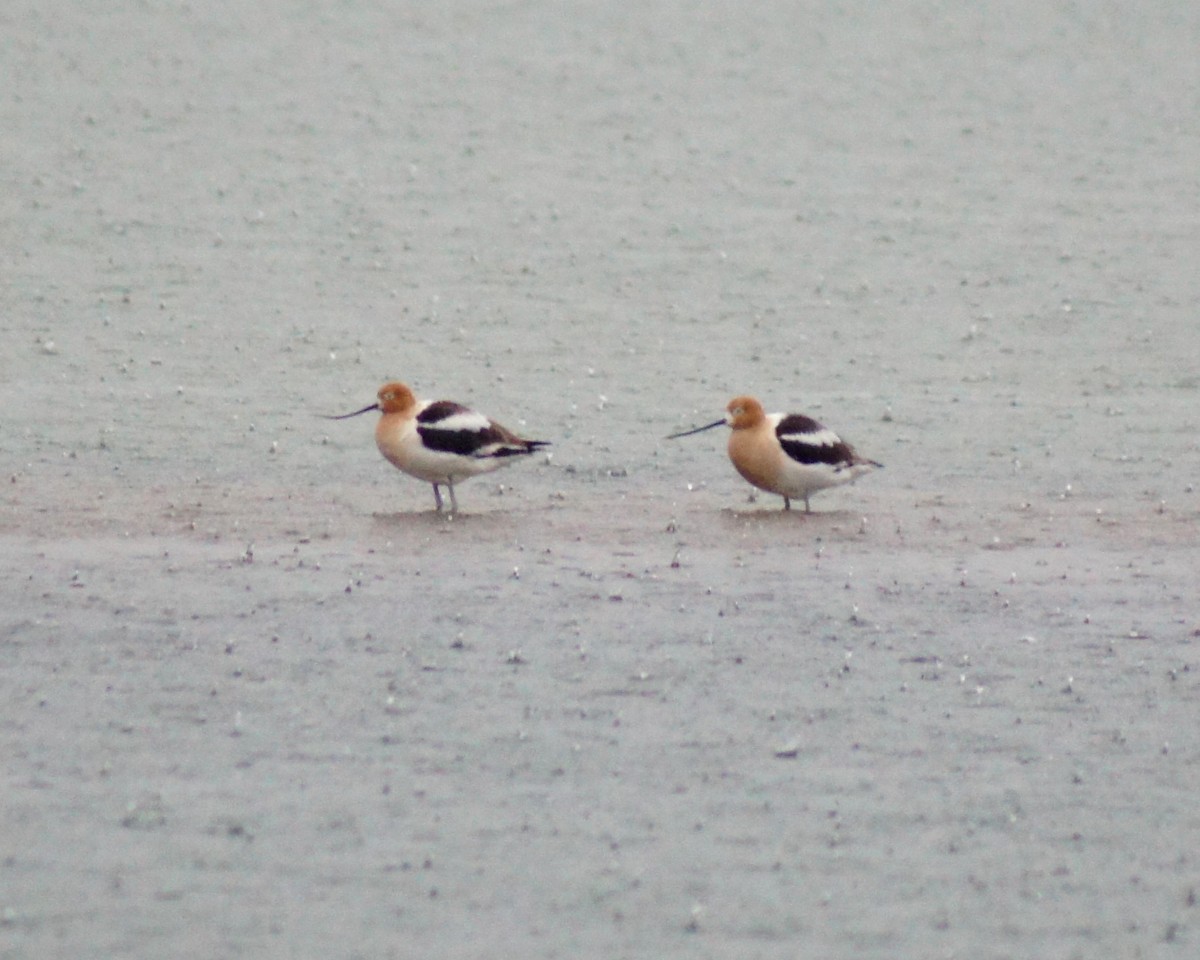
x=786 y=453
x=439 y=441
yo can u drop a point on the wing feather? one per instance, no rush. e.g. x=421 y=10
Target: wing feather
x=807 y=441
x=449 y=427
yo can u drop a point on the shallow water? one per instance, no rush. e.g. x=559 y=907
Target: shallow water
x=263 y=701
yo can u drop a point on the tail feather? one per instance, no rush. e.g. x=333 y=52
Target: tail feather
x=517 y=447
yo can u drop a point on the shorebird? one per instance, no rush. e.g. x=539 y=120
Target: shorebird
x=786 y=453
x=439 y=441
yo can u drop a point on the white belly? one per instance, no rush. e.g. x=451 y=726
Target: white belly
x=402 y=447
x=801 y=479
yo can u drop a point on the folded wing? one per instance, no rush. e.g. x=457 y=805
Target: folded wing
x=809 y=442
x=450 y=427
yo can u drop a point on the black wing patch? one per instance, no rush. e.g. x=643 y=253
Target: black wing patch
x=452 y=441
x=798 y=423
x=809 y=442
x=468 y=433
x=441 y=410
x=457 y=440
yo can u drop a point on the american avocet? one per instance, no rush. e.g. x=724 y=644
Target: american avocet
x=786 y=453
x=439 y=441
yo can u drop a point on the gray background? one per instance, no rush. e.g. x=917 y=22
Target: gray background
x=259 y=701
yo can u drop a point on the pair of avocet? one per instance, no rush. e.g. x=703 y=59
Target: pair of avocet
x=442 y=442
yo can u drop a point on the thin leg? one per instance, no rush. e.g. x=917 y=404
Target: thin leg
x=807 y=508
x=453 y=498
x=437 y=495
x=787 y=503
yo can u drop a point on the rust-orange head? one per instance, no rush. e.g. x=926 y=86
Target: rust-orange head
x=396 y=398
x=744 y=413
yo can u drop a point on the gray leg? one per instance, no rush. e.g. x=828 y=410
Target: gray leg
x=807 y=508
x=787 y=503
x=437 y=495
x=453 y=498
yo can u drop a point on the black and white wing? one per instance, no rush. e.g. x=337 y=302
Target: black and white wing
x=450 y=427
x=808 y=442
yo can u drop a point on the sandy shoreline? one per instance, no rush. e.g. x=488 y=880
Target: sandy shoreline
x=261 y=701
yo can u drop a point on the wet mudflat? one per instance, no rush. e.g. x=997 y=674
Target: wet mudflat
x=262 y=701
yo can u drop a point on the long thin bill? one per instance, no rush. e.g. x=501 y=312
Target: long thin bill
x=688 y=433
x=356 y=413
